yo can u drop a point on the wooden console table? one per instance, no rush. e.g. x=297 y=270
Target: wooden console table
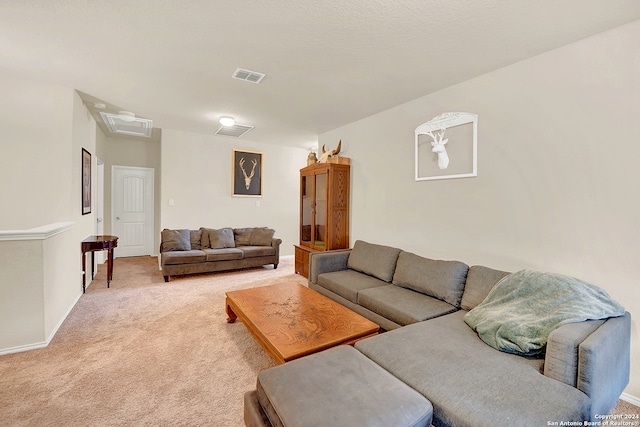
x=98 y=243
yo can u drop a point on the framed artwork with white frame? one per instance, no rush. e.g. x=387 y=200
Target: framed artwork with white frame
x=446 y=147
x=246 y=173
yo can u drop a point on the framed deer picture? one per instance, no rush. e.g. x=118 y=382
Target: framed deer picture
x=246 y=170
x=447 y=147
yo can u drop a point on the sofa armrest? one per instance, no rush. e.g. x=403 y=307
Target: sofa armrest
x=561 y=356
x=275 y=242
x=326 y=262
x=604 y=363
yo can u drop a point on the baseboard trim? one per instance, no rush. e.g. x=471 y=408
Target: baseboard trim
x=630 y=399
x=42 y=344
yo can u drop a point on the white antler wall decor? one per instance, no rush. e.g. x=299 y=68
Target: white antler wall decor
x=458 y=159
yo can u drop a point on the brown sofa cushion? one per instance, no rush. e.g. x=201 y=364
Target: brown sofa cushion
x=261 y=236
x=176 y=240
x=183 y=257
x=256 y=251
x=196 y=239
x=222 y=238
x=224 y=254
x=242 y=236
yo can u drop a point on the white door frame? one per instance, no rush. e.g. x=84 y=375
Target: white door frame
x=100 y=255
x=150 y=196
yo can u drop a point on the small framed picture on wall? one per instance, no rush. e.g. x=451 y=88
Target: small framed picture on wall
x=246 y=173
x=86 y=182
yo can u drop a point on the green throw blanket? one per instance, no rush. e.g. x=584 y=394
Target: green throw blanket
x=523 y=308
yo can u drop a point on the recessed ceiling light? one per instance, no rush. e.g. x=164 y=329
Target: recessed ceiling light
x=100 y=105
x=227 y=121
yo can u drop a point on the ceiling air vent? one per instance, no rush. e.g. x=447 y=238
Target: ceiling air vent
x=250 y=76
x=235 y=131
x=135 y=127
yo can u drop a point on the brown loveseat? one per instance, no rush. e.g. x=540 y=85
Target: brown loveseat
x=208 y=250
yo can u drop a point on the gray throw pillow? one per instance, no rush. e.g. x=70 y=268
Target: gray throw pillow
x=243 y=236
x=375 y=260
x=222 y=238
x=440 y=279
x=261 y=236
x=176 y=240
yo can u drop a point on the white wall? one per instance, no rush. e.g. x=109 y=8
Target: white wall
x=196 y=175
x=35 y=164
x=558 y=171
x=44 y=130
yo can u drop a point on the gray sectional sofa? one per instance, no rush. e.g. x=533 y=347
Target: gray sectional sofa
x=422 y=304
x=206 y=250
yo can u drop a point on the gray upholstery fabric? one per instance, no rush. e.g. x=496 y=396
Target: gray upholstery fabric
x=326 y=262
x=223 y=254
x=347 y=283
x=480 y=280
x=176 y=240
x=604 y=363
x=470 y=383
x=261 y=236
x=183 y=257
x=375 y=260
x=440 y=279
x=256 y=251
x=196 y=239
x=339 y=387
x=242 y=236
x=401 y=305
x=561 y=356
x=222 y=238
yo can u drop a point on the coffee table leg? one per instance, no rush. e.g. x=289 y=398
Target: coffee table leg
x=231 y=316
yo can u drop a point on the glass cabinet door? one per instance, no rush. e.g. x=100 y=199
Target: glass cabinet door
x=306 y=209
x=320 y=212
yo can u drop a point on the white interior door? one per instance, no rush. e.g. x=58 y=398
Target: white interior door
x=100 y=255
x=132 y=210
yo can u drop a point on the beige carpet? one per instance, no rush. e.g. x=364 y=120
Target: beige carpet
x=145 y=353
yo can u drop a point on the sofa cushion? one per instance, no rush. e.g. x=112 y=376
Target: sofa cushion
x=440 y=279
x=242 y=236
x=480 y=280
x=470 y=383
x=183 y=257
x=347 y=283
x=375 y=260
x=341 y=388
x=256 y=251
x=196 y=239
x=176 y=240
x=223 y=254
x=261 y=236
x=222 y=238
x=402 y=306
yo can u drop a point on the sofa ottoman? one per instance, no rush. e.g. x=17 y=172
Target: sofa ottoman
x=337 y=387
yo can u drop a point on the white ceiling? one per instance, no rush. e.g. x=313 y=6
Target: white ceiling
x=328 y=63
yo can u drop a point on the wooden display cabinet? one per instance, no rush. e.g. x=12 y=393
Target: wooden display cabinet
x=324 y=211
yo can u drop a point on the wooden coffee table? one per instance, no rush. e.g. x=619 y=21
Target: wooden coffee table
x=290 y=320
